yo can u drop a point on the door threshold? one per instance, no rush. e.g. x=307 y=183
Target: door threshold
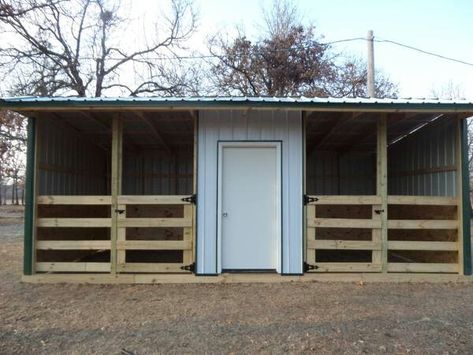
x=249 y=271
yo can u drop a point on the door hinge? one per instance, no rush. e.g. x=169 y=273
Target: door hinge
x=190 y=267
x=308 y=199
x=191 y=199
x=308 y=267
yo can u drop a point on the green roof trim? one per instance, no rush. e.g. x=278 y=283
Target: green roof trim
x=34 y=103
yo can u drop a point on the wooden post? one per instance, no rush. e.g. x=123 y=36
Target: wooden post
x=310 y=254
x=187 y=257
x=117 y=147
x=382 y=192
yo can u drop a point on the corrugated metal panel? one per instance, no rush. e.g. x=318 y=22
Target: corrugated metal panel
x=242 y=125
x=19 y=102
x=155 y=172
x=412 y=159
x=67 y=166
x=352 y=173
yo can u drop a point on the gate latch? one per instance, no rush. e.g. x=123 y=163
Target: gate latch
x=191 y=199
x=119 y=211
x=308 y=199
x=190 y=267
x=308 y=267
x=378 y=211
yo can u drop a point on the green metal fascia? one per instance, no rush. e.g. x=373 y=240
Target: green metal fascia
x=28 y=256
x=25 y=105
x=466 y=200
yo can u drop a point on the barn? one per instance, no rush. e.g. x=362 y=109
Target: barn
x=210 y=189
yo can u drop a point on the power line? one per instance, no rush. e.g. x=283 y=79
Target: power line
x=424 y=51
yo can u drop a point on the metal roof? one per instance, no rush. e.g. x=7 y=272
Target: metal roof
x=31 y=103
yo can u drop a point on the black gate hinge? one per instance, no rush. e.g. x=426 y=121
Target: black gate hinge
x=308 y=267
x=308 y=199
x=190 y=267
x=192 y=199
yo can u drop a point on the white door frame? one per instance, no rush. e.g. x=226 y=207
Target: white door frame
x=249 y=144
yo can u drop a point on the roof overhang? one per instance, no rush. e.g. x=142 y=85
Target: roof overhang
x=33 y=104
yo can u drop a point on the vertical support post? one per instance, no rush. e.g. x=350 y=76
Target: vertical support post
x=195 y=117
x=463 y=198
x=187 y=257
x=310 y=254
x=116 y=186
x=382 y=187
x=30 y=208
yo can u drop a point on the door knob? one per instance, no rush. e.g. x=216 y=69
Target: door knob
x=224 y=214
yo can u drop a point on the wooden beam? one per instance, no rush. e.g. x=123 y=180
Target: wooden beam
x=74 y=222
x=343 y=223
x=421 y=245
x=154 y=245
x=345 y=200
x=73 y=244
x=72 y=267
x=343 y=244
x=422 y=224
x=382 y=191
x=116 y=186
x=459 y=196
x=422 y=200
x=73 y=200
x=152 y=200
x=154 y=222
x=423 y=267
x=346 y=267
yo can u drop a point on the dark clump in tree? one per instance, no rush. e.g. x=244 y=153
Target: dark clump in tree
x=74 y=47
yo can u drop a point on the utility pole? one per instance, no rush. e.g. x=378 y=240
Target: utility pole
x=370 y=82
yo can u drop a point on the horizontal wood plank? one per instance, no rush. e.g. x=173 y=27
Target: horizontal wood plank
x=422 y=245
x=347 y=267
x=73 y=244
x=343 y=244
x=72 y=267
x=73 y=200
x=346 y=200
x=422 y=200
x=152 y=200
x=154 y=245
x=422 y=224
x=422 y=267
x=150 y=267
x=74 y=222
x=343 y=223
x=154 y=222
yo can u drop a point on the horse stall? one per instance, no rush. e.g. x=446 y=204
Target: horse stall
x=150 y=190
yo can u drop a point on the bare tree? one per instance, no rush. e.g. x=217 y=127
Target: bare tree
x=290 y=59
x=75 y=47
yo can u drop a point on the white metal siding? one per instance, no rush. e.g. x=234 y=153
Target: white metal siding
x=239 y=125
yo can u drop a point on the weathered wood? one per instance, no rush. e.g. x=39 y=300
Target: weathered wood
x=150 y=267
x=152 y=200
x=422 y=200
x=74 y=222
x=154 y=245
x=72 y=267
x=154 y=222
x=74 y=200
x=72 y=244
x=343 y=223
x=422 y=224
x=347 y=267
x=345 y=200
x=416 y=245
x=459 y=197
x=382 y=186
x=343 y=244
x=422 y=267
x=187 y=257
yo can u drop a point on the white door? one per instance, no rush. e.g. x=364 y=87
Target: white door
x=249 y=205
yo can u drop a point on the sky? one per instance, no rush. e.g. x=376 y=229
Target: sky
x=440 y=26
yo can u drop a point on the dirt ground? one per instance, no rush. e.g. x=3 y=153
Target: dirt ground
x=227 y=318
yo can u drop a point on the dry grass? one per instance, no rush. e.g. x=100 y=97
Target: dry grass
x=236 y=318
